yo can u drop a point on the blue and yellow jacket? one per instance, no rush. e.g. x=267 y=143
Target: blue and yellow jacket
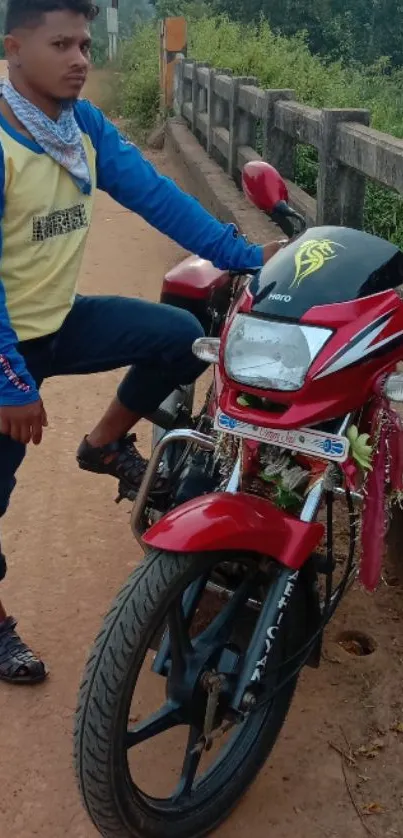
x=45 y=221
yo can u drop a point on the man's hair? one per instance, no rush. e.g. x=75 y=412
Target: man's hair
x=29 y=13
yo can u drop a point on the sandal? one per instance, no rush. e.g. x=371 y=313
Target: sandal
x=120 y=459
x=18 y=665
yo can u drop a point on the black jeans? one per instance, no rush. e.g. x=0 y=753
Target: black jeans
x=105 y=333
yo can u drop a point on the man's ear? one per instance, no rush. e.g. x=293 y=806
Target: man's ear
x=12 y=47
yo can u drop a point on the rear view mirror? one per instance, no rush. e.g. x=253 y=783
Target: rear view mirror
x=264 y=186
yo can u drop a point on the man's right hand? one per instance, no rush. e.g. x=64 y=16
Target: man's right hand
x=24 y=423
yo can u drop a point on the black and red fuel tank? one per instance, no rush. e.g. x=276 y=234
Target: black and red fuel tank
x=326 y=265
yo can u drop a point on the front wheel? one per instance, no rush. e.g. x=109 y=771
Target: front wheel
x=126 y=752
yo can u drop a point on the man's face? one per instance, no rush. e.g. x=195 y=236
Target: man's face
x=53 y=58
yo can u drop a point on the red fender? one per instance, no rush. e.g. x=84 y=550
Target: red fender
x=235 y=522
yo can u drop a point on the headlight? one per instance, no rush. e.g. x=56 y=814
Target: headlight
x=270 y=355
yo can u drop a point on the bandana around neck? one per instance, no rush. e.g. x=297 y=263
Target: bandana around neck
x=61 y=139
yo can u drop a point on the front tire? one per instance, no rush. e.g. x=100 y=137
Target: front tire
x=117 y=807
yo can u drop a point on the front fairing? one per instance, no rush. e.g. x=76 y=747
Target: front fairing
x=326 y=265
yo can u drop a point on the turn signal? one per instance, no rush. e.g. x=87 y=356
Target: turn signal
x=207 y=350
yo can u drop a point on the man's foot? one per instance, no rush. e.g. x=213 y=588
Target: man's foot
x=18 y=665
x=120 y=459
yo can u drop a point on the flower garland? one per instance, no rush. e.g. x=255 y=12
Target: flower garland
x=381 y=462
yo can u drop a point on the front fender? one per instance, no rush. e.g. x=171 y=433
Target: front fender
x=235 y=522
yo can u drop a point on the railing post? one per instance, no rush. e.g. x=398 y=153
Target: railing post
x=242 y=125
x=195 y=92
x=210 y=110
x=210 y=104
x=179 y=92
x=198 y=95
x=233 y=113
x=187 y=85
x=215 y=106
x=202 y=99
x=341 y=190
x=278 y=147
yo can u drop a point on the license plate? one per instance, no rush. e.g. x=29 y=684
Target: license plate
x=306 y=440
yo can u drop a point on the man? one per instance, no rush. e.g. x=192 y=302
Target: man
x=54 y=151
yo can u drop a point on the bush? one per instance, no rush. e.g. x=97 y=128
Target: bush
x=140 y=94
x=278 y=62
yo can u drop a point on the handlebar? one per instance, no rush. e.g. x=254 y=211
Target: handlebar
x=290 y=222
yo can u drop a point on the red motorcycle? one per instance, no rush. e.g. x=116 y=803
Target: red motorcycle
x=230 y=604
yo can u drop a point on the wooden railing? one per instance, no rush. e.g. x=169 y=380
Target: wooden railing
x=238 y=121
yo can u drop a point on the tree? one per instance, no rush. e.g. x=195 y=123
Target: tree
x=353 y=30
x=189 y=8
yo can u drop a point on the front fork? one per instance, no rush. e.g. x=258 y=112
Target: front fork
x=264 y=637
x=272 y=614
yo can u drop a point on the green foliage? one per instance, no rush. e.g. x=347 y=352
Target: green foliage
x=306 y=169
x=355 y=30
x=279 y=62
x=139 y=92
x=192 y=9
x=384 y=213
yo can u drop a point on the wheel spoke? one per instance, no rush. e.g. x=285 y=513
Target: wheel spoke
x=190 y=766
x=181 y=646
x=220 y=628
x=164 y=719
x=190 y=602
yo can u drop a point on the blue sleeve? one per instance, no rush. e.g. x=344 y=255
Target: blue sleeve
x=17 y=387
x=131 y=180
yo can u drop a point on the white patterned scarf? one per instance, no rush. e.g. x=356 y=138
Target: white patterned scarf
x=61 y=139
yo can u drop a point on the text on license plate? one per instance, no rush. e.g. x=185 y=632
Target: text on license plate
x=306 y=440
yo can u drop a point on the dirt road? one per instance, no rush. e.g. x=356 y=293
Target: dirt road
x=69 y=550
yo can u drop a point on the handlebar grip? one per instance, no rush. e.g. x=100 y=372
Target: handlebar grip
x=284 y=222
x=290 y=221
